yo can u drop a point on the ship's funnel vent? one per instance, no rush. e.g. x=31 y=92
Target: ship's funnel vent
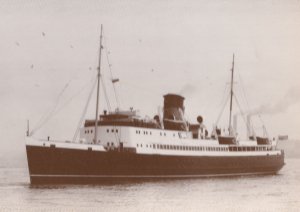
x=174 y=112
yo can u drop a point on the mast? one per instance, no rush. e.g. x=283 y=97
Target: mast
x=231 y=95
x=98 y=85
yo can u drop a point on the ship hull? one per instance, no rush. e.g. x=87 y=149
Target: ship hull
x=61 y=165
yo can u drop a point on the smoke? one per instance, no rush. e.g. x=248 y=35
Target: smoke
x=290 y=98
x=187 y=90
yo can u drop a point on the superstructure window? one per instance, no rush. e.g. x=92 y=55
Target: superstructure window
x=107 y=130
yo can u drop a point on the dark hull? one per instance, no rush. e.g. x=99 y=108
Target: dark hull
x=56 y=165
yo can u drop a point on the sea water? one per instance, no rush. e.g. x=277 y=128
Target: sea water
x=279 y=192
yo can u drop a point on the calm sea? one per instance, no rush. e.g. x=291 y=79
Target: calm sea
x=279 y=192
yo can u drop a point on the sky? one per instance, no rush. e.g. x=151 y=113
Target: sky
x=49 y=56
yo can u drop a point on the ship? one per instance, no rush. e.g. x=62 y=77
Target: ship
x=121 y=145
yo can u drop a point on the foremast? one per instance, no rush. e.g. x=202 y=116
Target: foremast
x=98 y=85
x=231 y=95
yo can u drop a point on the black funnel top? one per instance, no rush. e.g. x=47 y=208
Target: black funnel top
x=173 y=101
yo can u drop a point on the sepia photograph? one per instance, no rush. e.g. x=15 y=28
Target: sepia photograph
x=134 y=105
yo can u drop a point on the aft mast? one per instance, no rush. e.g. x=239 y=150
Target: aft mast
x=231 y=95
x=98 y=83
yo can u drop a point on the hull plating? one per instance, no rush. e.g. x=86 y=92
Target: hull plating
x=58 y=165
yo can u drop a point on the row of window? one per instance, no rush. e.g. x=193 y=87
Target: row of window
x=161 y=133
x=145 y=132
x=185 y=148
x=112 y=130
x=202 y=148
x=107 y=130
x=249 y=148
x=88 y=131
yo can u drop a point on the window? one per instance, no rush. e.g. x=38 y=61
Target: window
x=112 y=130
x=137 y=145
x=107 y=130
x=107 y=143
x=164 y=134
x=150 y=133
x=116 y=130
x=153 y=146
x=91 y=131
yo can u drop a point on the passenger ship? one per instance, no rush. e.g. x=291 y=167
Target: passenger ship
x=121 y=145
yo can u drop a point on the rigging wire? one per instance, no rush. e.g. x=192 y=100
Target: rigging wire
x=110 y=71
x=248 y=105
x=105 y=94
x=48 y=115
x=221 y=112
x=84 y=111
x=241 y=111
x=60 y=108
